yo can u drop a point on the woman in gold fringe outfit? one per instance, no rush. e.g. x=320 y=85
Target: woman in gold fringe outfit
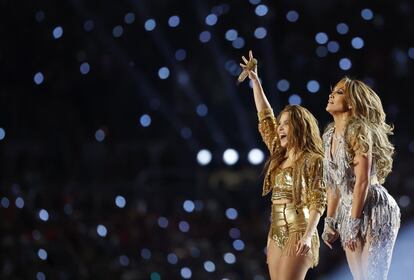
x=294 y=177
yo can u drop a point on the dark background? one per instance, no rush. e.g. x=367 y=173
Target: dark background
x=86 y=124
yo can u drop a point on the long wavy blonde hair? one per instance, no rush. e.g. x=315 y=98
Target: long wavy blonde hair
x=304 y=135
x=367 y=126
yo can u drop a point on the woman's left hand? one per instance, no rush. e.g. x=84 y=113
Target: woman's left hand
x=303 y=246
x=353 y=244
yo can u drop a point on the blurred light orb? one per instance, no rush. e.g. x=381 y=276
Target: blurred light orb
x=146 y=253
x=295 y=99
x=211 y=19
x=231 y=213
x=404 y=201
x=2 y=133
x=255 y=156
x=411 y=53
x=19 y=202
x=261 y=10
x=163 y=222
x=345 y=63
x=40 y=16
x=117 y=31
x=312 y=86
x=120 y=201
x=292 y=16
x=283 y=85
x=155 y=276
x=342 y=28
x=186 y=132
x=174 y=21
x=188 y=206
x=40 y=276
x=238 y=245
x=234 y=233
x=333 y=46
x=43 y=215
x=202 y=110
x=129 y=18
x=5 y=203
x=367 y=14
x=230 y=156
x=238 y=43
x=205 y=36
x=321 y=51
x=321 y=38
x=101 y=230
x=100 y=135
x=184 y=226
x=209 y=266
x=42 y=254
x=150 y=25
x=84 y=68
x=229 y=258
x=57 y=32
x=186 y=272
x=38 y=78
x=124 y=260
x=88 y=25
x=145 y=120
x=163 y=73
x=180 y=54
x=172 y=258
x=260 y=33
x=231 y=35
x=254 y=2
x=357 y=43
x=204 y=157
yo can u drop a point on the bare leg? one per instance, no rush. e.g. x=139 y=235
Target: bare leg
x=273 y=258
x=354 y=259
x=294 y=267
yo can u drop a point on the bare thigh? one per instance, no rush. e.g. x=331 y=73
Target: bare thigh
x=354 y=259
x=274 y=254
x=294 y=267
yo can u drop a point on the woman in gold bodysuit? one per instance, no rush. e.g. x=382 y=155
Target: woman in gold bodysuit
x=294 y=176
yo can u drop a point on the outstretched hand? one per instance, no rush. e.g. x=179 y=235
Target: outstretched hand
x=252 y=73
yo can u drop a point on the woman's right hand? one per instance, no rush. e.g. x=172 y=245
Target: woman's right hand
x=252 y=73
x=329 y=236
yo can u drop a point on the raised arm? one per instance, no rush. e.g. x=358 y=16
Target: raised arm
x=267 y=120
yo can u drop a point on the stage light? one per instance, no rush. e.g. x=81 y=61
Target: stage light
x=38 y=78
x=186 y=272
x=367 y=14
x=231 y=213
x=411 y=53
x=163 y=73
x=209 y=266
x=295 y=99
x=342 y=28
x=42 y=254
x=172 y=258
x=254 y=2
x=202 y=110
x=283 y=85
x=321 y=38
x=5 y=202
x=57 y=32
x=211 y=19
x=180 y=54
x=40 y=16
x=68 y=209
x=117 y=31
x=238 y=43
x=195 y=252
x=188 y=206
x=101 y=230
x=163 y=222
x=155 y=276
x=234 y=233
x=88 y=25
x=40 y=276
x=333 y=46
x=129 y=18
x=84 y=68
x=174 y=21
x=231 y=35
x=145 y=120
x=120 y=201
x=261 y=10
x=43 y=215
x=2 y=133
x=186 y=132
x=292 y=16
x=146 y=253
x=321 y=51
x=255 y=156
x=150 y=25
x=312 y=86
x=229 y=258
x=19 y=202
x=100 y=135
x=184 y=226
x=204 y=36
x=238 y=245
x=345 y=63
x=36 y=235
x=124 y=260
x=357 y=43
x=404 y=201
x=204 y=157
x=260 y=33
x=230 y=156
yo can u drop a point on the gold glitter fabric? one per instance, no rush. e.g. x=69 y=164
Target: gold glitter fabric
x=283 y=185
x=288 y=224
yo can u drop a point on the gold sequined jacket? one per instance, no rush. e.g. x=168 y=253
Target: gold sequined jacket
x=308 y=188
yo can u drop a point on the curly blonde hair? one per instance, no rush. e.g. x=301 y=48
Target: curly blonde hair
x=366 y=127
x=304 y=136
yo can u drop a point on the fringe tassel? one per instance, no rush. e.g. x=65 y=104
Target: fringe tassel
x=290 y=247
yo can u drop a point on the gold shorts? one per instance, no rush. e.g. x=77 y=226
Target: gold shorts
x=288 y=225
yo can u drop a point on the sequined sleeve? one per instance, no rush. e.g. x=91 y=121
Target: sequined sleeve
x=316 y=193
x=268 y=129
